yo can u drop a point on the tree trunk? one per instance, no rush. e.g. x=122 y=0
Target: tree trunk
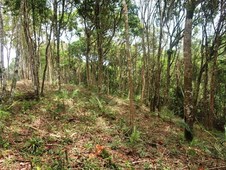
x=48 y=38
x=31 y=45
x=16 y=67
x=213 y=89
x=168 y=75
x=99 y=44
x=144 y=68
x=188 y=99
x=2 y=67
x=129 y=63
x=87 y=54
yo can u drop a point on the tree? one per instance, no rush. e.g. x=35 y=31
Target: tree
x=188 y=98
x=2 y=67
x=130 y=79
x=105 y=16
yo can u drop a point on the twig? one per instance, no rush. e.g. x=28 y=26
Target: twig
x=135 y=162
x=219 y=167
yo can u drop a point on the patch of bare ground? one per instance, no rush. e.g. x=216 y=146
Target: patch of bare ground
x=79 y=129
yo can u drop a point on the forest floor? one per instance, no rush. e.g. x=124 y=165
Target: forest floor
x=80 y=129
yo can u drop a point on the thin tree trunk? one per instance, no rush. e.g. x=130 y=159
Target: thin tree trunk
x=31 y=45
x=48 y=38
x=87 y=54
x=188 y=99
x=16 y=66
x=213 y=89
x=143 y=71
x=99 y=44
x=130 y=79
x=168 y=75
x=2 y=67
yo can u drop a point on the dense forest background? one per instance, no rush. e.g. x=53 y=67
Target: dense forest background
x=165 y=54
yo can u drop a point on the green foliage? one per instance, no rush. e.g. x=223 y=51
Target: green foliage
x=89 y=118
x=63 y=94
x=4 y=143
x=77 y=49
x=167 y=114
x=4 y=115
x=34 y=146
x=177 y=105
x=27 y=105
x=91 y=164
x=108 y=160
x=75 y=93
x=135 y=137
x=116 y=143
x=183 y=124
x=95 y=101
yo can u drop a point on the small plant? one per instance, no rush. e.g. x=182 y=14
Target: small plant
x=116 y=143
x=3 y=143
x=95 y=101
x=167 y=114
x=135 y=137
x=4 y=115
x=26 y=105
x=63 y=94
x=147 y=166
x=58 y=164
x=90 y=164
x=108 y=163
x=129 y=165
x=34 y=146
x=75 y=93
x=105 y=154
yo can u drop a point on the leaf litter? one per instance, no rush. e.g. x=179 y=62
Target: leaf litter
x=70 y=131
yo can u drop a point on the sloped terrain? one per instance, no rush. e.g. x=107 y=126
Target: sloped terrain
x=79 y=129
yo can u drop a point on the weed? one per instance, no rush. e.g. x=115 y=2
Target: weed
x=142 y=152
x=167 y=114
x=147 y=166
x=108 y=163
x=4 y=143
x=34 y=146
x=66 y=141
x=36 y=161
x=27 y=105
x=89 y=118
x=4 y=119
x=96 y=102
x=58 y=164
x=104 y=154
x=91 y=164
x=110 y=115
x=129 y=165
x=135 y=137
x=8 y=162
x=63 y=94
x=116 y=143
x=89 y=146
x=75 y=93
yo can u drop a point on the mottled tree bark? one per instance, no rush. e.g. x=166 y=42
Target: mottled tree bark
x=188 y=98
x=129 y=63
x=2 y=67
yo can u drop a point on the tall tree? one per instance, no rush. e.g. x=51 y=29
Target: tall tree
x=2 y=67
x=105 y=16
x=188 y=99
x=129 y=62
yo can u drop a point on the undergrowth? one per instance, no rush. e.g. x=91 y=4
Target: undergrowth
x=63 y=130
